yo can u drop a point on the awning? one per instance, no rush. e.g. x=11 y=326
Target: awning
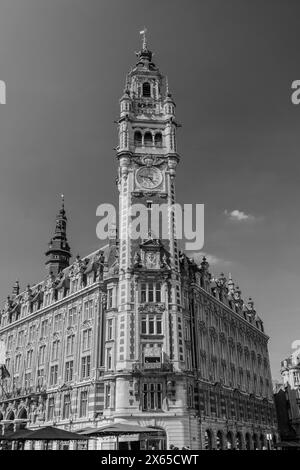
x=19 y=435
x=287 y=444
x=50 y=433
x=119 y=429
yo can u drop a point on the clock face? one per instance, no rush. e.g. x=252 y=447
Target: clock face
x=149 y=177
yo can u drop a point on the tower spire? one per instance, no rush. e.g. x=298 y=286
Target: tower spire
x=144 y=39
x=58 y=253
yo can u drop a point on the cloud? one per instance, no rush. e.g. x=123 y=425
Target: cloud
x=239 y=216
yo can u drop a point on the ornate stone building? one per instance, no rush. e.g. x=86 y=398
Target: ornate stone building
x=137 y=331
x=287 y=399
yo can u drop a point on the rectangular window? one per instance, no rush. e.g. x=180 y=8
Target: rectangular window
x=53 y=375
x=72 y=316
x=41 y=356
x=40 y=377
x=109 y=299
x=144 y=326
x=66 y=406
x=109 y=334
x=51 y=409
x=9 y=342
x=17 y=363
x=29 y=359
x=151 y=292
x=69 y=371
x=157 y=292
x=86 y=339
x=57 y=322
x=107 y=396
x=152 y=396
x=20 y=339
x=44 y=327
x=143 y=292
x=83 y=404
x=55 y=350
x=31 y=333
x=27 y=380
x=151 y=325
x=109 y=359
x=91 y=309
x=85 y=367
x=70 y=345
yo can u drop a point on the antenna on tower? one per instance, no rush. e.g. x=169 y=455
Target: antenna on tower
x=143 y=33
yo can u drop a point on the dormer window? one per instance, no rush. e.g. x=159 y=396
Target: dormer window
x=146 y=90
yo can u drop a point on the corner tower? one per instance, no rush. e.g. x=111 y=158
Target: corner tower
x=58 y=253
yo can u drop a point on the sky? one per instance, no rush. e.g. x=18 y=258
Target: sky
x=230 y=67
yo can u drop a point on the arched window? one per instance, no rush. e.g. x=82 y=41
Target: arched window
x=239 y=445
x=255 y=441
x=219 y=440
x=23 y=414
x=229 y=440
x=208 y=440
x=148 y=139
x=137 y=138
x=158 y=139
x=248 y=441
x=10 y=416
x=146 y=89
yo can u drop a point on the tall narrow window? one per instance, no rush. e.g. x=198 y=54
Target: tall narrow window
x=109 y=298
x=83 y=404
x=109 y=333
x=69 y=371
x=148 y=142
x=146 y=89
x=109 y=359
x=55 y=350
x=70 y=345
x=51 y=409
x=107 y=396
x=66 y=406
x=158 y=139
x=137 y=139
x=53 y=375
x=85 y=367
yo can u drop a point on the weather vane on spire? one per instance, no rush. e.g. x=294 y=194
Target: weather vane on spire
x=143 y=33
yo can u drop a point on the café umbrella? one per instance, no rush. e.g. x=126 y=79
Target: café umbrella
x=119 y=429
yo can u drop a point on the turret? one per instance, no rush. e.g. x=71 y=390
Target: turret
x=58 y=253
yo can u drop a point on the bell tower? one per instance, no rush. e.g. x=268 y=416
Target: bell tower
x=147 y=156
x=149 y=312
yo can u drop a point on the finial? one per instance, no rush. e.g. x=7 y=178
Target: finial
x=143 y=33
x=62 y=200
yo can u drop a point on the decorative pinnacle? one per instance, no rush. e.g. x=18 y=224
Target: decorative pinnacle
x=62 y=200
x=143 y=33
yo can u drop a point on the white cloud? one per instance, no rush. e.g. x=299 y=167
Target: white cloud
x=239 y=216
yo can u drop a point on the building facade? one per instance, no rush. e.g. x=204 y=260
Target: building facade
x=137 y=331
x=287 y=399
